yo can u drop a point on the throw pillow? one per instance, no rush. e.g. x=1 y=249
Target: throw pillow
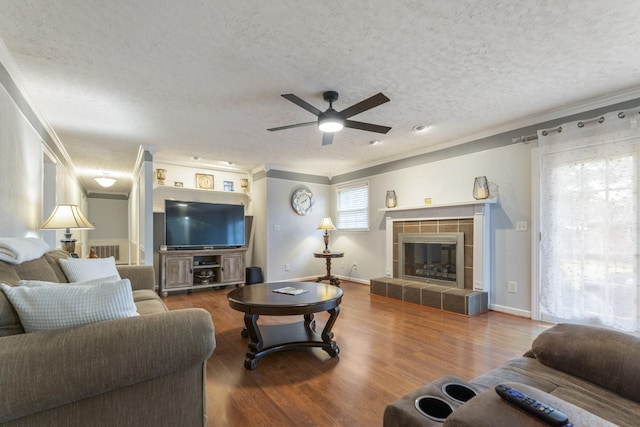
x=81 y=270
x=88 y=282
x=42 y=308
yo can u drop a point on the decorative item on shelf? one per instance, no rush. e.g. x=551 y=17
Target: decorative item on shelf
x=391 y=201
x=228 y=185
x=92 y=253
x=178 y=184
x=161 y=175
x=244 y=184
x=204 y=181
x=326 y=224
x=105 y=181
x=480 y=188
x=67 y=217
x=206 y=277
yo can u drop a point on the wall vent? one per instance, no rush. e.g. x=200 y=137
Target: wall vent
x=105 y=251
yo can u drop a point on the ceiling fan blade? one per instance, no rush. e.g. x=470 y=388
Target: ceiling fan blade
x=294 y=126
x=365 y=105
x=366 y=126
x=327 y=138
x=302 y=103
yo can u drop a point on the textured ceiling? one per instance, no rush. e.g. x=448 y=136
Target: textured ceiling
x=204 y=78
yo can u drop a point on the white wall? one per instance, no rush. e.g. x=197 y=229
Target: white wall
x=21 y=169
x=508 y=169
x=22 y=178
x=291 y=238
x=288 y=238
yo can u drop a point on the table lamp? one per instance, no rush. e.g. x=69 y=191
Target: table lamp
x=326 y=225
x=66 y=217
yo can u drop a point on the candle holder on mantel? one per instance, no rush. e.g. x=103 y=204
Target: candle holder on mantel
x=391 y=201
x=480 y=188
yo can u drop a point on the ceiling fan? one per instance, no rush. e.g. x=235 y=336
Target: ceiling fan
x=331 y=121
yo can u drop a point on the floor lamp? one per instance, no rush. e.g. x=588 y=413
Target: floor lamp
x=67 y=217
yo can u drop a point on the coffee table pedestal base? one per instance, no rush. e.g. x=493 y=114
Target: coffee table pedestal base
x=267 y=339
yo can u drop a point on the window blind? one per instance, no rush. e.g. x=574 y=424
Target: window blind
x=353 y=207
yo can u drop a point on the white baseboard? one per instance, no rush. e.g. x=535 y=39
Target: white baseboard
x=510 y=310
x=352 y=279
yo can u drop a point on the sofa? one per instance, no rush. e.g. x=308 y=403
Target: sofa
x=147 y=370
x=591 y=374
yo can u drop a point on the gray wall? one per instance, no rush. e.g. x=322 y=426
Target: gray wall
x=110 y=218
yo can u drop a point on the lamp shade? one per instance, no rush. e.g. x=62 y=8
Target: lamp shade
x=326 y=224
x=67 y=216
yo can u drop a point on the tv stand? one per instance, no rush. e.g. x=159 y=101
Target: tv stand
x=186 y=270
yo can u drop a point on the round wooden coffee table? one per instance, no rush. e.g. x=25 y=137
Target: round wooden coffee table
x=258 y=299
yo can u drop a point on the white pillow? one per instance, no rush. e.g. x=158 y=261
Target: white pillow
x=43 y=308
x=88 y=282
x=82 y=270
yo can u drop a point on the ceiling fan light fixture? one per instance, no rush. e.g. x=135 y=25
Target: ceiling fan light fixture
x=330 y=121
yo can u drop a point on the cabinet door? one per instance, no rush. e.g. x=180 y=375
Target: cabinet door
x=233 y=268
x=178 y=272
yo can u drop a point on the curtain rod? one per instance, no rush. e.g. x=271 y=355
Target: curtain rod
x=533 y=137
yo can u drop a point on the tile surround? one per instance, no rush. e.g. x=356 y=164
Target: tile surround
x=464 y=225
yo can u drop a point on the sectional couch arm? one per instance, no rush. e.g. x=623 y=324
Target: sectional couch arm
x=489 y=410
x=141 y=276
x=44 y=370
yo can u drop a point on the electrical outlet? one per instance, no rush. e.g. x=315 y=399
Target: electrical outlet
x=355 y=267
x=512 y=287
x=342 y=264
x=287 y=267
x=276 y=227
x=521 y=226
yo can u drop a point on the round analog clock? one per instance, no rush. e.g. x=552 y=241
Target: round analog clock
x=302 y=201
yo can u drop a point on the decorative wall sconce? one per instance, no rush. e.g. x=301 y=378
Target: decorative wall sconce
x=391 y=201
x=161 y=175
x=480 y=188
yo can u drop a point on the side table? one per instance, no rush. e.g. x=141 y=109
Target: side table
x=328 y=256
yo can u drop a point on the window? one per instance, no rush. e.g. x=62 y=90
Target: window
x=353 y=207
x=589 y=223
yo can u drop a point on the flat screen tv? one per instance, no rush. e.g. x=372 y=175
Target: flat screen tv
x=197 y=225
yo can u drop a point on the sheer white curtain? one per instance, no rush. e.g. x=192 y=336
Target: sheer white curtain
x=589 y=221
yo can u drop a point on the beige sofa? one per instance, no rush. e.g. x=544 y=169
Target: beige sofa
x=591 y=374
x=138 y=371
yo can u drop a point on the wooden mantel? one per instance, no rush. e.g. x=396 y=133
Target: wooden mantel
x=440 y=205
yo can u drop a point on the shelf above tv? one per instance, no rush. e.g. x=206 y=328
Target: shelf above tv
x=167 y=192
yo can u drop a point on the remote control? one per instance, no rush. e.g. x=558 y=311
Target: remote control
x=544 y=412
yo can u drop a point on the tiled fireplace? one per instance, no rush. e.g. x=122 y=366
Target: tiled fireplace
x=438 y=256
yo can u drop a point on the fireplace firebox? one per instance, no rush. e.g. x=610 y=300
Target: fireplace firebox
x=432 y=257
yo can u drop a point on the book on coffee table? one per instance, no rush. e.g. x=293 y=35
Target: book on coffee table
x=289 y=290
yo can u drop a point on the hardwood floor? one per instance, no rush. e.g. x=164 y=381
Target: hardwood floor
x=387 y=349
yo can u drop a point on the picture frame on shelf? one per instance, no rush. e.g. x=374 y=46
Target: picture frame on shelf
x=204 y=181
x=228 y=185
x=178 y=184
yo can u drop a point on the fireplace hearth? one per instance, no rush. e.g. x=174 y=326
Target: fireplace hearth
x=436 y=258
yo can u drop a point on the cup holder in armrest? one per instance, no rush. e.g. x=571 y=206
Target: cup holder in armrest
x=433 y=407
x=458 y=392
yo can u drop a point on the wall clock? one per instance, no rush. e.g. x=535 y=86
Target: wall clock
x=302 y=201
